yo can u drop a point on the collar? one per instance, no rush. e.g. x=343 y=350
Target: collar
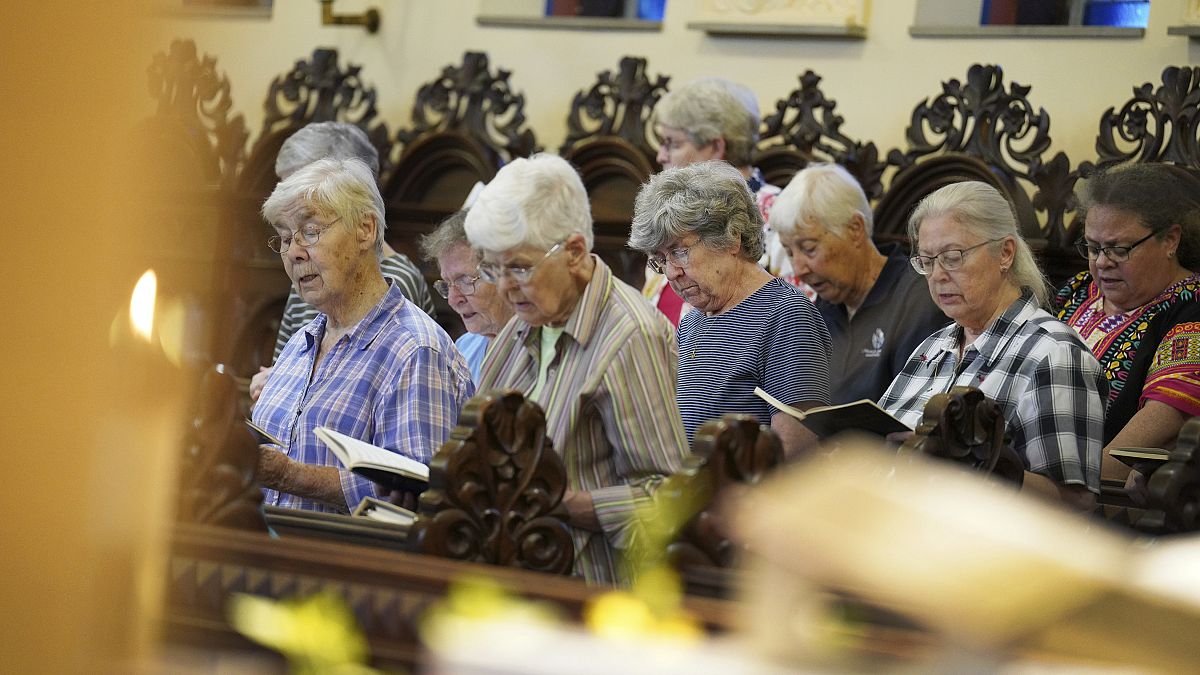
x=363 y=333
x=756 y=180
x=582 y=323
x=895 y=268
x=992 y=342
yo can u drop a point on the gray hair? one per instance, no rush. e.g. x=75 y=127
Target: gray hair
x=1160 y=195
x=319 y=140
x=821 y=194
x=538 y=201
x=329 y=188
x=712 y=108
x=450 y=233
x=982 y=209
x=708 y=198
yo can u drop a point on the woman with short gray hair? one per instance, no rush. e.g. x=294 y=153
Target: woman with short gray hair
x=700 y=227
x=982 y=275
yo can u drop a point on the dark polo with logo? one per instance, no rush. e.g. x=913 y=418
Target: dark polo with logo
x=871 y=349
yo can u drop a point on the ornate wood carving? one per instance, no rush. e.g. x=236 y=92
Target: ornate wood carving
x=996 y=125
x=316 y=90
x=1173 y=491
x=471 y=100
x=218 y=475
x=963 y=426
x=495 y=490
x=734 y=450
x=804 y=128
x=193 y=113
x=1156 y=125
x=618 y=105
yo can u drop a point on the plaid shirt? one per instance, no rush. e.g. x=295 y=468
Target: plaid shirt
x=394 y=380
x=1045 y=379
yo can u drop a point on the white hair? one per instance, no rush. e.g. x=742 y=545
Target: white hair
x=538 y=201
x=825 y=195
x=331 y=189
x=712 y=108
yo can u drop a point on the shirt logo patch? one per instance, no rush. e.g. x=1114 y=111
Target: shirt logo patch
x=876 y=348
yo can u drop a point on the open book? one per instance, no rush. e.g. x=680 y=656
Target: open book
x=387 y=468
x=384 y=511
x=263 y=436
x=830 y=420
x=1145 y=460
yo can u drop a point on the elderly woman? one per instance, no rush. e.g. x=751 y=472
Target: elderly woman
x=1137 y=305
x=336 y=140
x=700 y=227
x=706 y=119
x=875 y=306
x=583 y=345
x=483 y=310
x=371 y=365
x=982 y=275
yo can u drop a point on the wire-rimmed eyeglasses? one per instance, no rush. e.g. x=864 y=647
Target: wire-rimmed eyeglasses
x=1113 y=253
x=308 y=235
x=491 y=272
x=464 y=284
x=949 y=260
x=677 y=256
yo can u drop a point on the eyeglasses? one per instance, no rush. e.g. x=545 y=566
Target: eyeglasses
x=949 y=260
x=1113 y=253
x=677 y=257
x=491 y=272
x=308 y=235
x=464 y=284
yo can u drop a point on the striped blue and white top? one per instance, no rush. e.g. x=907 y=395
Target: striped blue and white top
x=774 y=339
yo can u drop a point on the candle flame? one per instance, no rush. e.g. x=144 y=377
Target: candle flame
x=141 y=304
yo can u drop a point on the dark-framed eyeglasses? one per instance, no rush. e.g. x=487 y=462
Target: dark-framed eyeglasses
x=677 y=256
x=949 y=260
x=464 y=284
x=308 y=235
x=492 y=273
x=1113 y=253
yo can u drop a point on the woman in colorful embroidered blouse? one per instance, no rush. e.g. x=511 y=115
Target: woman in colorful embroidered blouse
x=1137 y=306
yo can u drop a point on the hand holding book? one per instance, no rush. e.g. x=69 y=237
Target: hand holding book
x=828 y=421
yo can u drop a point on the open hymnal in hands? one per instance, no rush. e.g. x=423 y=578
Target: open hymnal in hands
x=385 y=467
x=1145 y=460
x=831 y=420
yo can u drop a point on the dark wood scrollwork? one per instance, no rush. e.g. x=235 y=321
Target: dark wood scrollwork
x=734 y=450
x=982 y=118
x=808 y=129
x=495 y=490
x=617 y=106
x=963 y=426
x=316 y=90
x=193 y=114
x=471 y=100
x=218 y=475
x=1156 y=125
x=1173 y=491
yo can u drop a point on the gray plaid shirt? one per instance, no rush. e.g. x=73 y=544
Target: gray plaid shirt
x=1045 y=379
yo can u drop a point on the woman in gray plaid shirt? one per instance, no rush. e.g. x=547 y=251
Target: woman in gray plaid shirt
x=982 y=275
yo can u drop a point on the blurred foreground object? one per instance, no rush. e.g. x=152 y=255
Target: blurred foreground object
x=994 y=573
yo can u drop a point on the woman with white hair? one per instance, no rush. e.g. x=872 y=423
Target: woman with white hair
x=875 y=305
x=699 y=226
x=583 y=345
x=982 y=275
x=371 y=365
x=706 y=119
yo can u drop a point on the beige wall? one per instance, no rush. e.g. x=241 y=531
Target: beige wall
x=876 y=82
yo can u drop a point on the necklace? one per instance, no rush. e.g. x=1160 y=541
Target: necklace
x=705 y=321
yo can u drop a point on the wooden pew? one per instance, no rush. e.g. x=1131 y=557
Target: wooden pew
x=607 y=141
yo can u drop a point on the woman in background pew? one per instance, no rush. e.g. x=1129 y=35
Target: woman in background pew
x=1136 y=307
x=700 y=227
x=982 y=275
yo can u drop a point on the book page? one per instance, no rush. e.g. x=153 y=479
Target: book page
x=355 y=453
x=263 y=436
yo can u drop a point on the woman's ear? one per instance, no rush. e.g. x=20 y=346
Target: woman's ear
x=365 y=232
x=1008 y=253
x=719 y=147
x=1172 y=237
x=576 y=247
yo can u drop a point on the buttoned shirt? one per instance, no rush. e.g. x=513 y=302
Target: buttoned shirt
x=393 y=380
x=610 y=407
x=1045 y=379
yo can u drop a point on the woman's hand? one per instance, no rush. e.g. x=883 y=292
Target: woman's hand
x=1136 y=488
